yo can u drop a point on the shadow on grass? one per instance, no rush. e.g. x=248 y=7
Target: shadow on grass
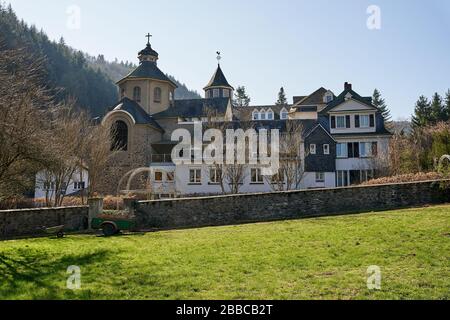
x=25 y=269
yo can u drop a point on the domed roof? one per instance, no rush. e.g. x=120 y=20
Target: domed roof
x=148 y=51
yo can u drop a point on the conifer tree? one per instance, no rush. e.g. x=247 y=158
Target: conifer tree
x=282 y=101
x=241 y=98
x=422 y=113
x=380 y=103
x=437 y=109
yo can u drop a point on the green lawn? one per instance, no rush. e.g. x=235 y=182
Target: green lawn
x=324 y=258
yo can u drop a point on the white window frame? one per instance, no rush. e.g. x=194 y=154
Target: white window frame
x=262 y=115
x=367 y=147
x=284 y=114
x=326 y=149
x=270 y=115
x=344 y=122
x=366 y=123
x=313 y=149
x=259 y=177
x=196 y=178
x=320 y=177
x=255 y=115
x=342 y=150
x=214 y=175
x=216 y=93
x=226 y=93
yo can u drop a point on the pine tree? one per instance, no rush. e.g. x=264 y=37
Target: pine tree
x=282 y=101
x=380 y=103
x=437 y=109
x=241 y=99
x=446 y=108
x=422 y=113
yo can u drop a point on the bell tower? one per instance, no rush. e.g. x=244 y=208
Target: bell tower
x=218 y=86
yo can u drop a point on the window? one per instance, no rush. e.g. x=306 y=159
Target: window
x=326 y=149
x=366 y=175
x=195 y=176
x=119 y=133
x=341 y=178
x=255 y=115
x=226 y=93
x=79 y=185
x=341 y=150
x=137 y=94
x=216 y=93
x=364 y=121
x=365 y=149
x=341 y=122
x=320 y=177
x=158 y=176
x=157 y=95
x=263 y=115
x=312 y=149
x=257 y=176
x=171 y=96
x=270 y=115
x=170 y=176
x=353 y=149
x=284 y=114
x=215 y=175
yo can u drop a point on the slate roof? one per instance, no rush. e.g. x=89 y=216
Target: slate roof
x=314 y=98
x=148 y=70
x=148 y=51
x=218 y=80
x=194 y=108
x=135 y=110
x=341 y=99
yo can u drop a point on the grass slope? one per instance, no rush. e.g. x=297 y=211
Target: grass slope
x=324 y=258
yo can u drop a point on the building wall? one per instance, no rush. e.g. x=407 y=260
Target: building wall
x=227 y=210
x=40 y=188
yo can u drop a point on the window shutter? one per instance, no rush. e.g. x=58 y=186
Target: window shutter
x=350 y=150
x=347 y=120
x=372 y=121
x=356 y=149
x=333 y=122
x=357 y=121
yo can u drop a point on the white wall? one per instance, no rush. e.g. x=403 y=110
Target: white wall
x=40 y=192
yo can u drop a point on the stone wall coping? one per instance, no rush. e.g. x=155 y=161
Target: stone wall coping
x=292 y=191
x=43 y=209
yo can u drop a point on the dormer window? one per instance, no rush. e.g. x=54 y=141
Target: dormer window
x=263 y=115
x=270 y=115
x=284 y=114
x=255 y=115
x=137 y=94
x=328 y=97
x=157 y=95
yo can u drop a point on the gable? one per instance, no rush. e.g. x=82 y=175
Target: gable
x=352 y=105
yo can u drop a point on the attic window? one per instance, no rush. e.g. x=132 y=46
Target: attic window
x=284 y=114
x=255 y=115
x=270 y=115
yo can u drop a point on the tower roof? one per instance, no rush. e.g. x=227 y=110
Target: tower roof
x=148 y=51
x=148 y=70
x=218 y=80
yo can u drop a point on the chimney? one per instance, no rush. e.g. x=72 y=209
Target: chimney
x=348 y=86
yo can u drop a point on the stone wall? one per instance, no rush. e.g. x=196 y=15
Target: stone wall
x=226 y=210
x=19 y=223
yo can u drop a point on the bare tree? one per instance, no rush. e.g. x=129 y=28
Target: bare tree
x=291 y=172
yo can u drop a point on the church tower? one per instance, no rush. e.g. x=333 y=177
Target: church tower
x=147 y=85
x=218 y=86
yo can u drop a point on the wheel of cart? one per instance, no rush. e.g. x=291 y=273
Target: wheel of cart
x=109 y=229
x=112 y=225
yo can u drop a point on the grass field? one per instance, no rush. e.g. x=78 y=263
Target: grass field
x=324 y=258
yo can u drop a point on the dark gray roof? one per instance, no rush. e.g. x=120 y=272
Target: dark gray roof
x=314 y=98
x=148 y=51
x=194 y=108
x=135 y=110
x=148 y=70
x=218 y=80
x=341 y=99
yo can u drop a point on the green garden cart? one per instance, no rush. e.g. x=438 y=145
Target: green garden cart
x=112 y=225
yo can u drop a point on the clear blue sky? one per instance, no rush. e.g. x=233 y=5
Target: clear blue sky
x=301 y=45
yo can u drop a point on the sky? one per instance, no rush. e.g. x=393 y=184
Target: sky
x=300 y=45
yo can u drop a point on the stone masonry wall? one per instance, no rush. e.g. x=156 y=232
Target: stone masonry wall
x=18 y=223
x=226 y=210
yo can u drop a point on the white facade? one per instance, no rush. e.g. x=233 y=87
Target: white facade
x=45 y=184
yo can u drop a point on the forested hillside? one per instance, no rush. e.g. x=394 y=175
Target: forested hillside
x=69 y=72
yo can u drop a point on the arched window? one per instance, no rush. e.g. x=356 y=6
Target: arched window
x=263 y=115
x=137 y=94
x=255 y=115
x=119 y=133
x=157 y=95
x=284 y=114
x=270 y=115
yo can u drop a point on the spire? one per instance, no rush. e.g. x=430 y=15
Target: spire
x=218 y=86
x=148 y=54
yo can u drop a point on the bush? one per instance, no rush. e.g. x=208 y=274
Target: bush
x=413 y=177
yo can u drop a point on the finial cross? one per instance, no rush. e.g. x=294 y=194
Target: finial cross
x=148 y=36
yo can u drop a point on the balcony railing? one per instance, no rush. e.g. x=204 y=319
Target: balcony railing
x=162 y=158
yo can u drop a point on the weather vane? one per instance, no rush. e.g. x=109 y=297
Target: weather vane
x=219 y=57
x=148 y=36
